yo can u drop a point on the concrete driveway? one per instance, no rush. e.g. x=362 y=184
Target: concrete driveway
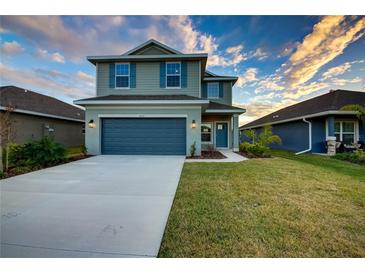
x=103 y=206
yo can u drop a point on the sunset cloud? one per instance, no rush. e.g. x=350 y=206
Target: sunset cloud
x=328 y=39
x=11 y=48
x=248 y=76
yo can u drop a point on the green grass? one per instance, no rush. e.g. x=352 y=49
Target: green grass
x=287 y=206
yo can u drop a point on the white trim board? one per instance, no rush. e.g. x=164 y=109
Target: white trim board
x=142 y=107
x=142 y=116
x=22 y=111
x=141 y=102
x=330 y=112
x=224 y=111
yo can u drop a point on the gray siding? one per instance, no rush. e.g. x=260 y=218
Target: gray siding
x=227 y=94
x=148 y=80
x=29 y=128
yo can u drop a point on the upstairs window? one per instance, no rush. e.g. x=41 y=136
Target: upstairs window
x=173 y=75
x=122 y=75
x=213 y=90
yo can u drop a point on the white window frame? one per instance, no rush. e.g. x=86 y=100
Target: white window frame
x=179 y=87
x=129 y=76
x=211 y=132
x=212 y=97
x=356 y=129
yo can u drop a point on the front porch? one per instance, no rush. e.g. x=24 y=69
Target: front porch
x=219 y=127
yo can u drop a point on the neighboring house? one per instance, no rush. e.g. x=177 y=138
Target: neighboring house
x=36 y=115
x=156 y=100
x=307 y=125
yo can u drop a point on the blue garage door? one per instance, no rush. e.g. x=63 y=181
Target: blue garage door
x=144 y=136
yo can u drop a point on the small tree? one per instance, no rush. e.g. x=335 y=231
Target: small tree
x=259 y=146
x=360 y=111
x=266 y=137
x=7 y=135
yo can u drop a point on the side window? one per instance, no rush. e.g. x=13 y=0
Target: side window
x=173 y=75
x=122 y=75
x=213 y=90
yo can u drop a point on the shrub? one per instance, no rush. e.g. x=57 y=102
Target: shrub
x=259 y=146
x=193 y=149
x=254 y=150
x=2 y=175
x=44 y=152
x=22 y=169
x=358 y=156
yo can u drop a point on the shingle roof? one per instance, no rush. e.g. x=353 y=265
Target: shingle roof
x=219 y=106
x=27 y=100
x=140 y=97
x=333 y=100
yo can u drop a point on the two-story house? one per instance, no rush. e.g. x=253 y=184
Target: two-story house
x=156 y=100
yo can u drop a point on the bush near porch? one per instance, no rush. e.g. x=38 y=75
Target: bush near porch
x=259 y=145
x=357 y=156
x=285 y=206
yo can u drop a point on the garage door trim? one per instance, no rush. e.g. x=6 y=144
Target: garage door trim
x=144 y=117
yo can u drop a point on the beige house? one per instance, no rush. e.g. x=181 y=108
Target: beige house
x=35 y=115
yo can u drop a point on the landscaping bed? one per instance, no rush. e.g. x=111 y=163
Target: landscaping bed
x=36 y=155
x=285 y=206
x=208 y=154
x=14 y=171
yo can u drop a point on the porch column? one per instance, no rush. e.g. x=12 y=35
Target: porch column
x=235 y=133
x=331 y=138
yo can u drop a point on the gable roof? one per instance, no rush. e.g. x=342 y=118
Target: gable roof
x=29 y=102
x=331 y=101
x=152 y=43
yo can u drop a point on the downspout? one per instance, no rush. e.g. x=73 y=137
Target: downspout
x=309 y=136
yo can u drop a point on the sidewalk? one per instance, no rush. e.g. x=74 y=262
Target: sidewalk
x=232 y=157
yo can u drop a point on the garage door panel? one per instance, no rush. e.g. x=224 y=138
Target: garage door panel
x=139 y=136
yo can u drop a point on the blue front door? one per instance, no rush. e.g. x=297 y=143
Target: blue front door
x=221 y=134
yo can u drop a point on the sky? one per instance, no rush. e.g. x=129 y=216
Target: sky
x=280 y=60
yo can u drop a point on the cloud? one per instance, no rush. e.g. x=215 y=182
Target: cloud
x=338 y=70
x=271 y=82
x=342 y=82
x=11 y=48
x=304 y=90
x=328 y=39
x=55 y=57
x=54 y=82
x=258 y=108
x=334 y=71
x=236 y=55
x=260 y=54
x=248 y=76
x=73 y=37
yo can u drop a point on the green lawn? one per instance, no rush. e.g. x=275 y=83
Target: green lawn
x=286 y=206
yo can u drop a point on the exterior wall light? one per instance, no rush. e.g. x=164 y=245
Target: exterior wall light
x=193 y=124
x=92 y=124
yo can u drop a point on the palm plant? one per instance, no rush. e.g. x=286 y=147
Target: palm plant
x=360 y=111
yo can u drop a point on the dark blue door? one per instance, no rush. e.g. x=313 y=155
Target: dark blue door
x=144 y=136
x=221 y=133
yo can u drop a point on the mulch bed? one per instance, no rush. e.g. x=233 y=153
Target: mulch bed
x=14 y=172
x=211 y=154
